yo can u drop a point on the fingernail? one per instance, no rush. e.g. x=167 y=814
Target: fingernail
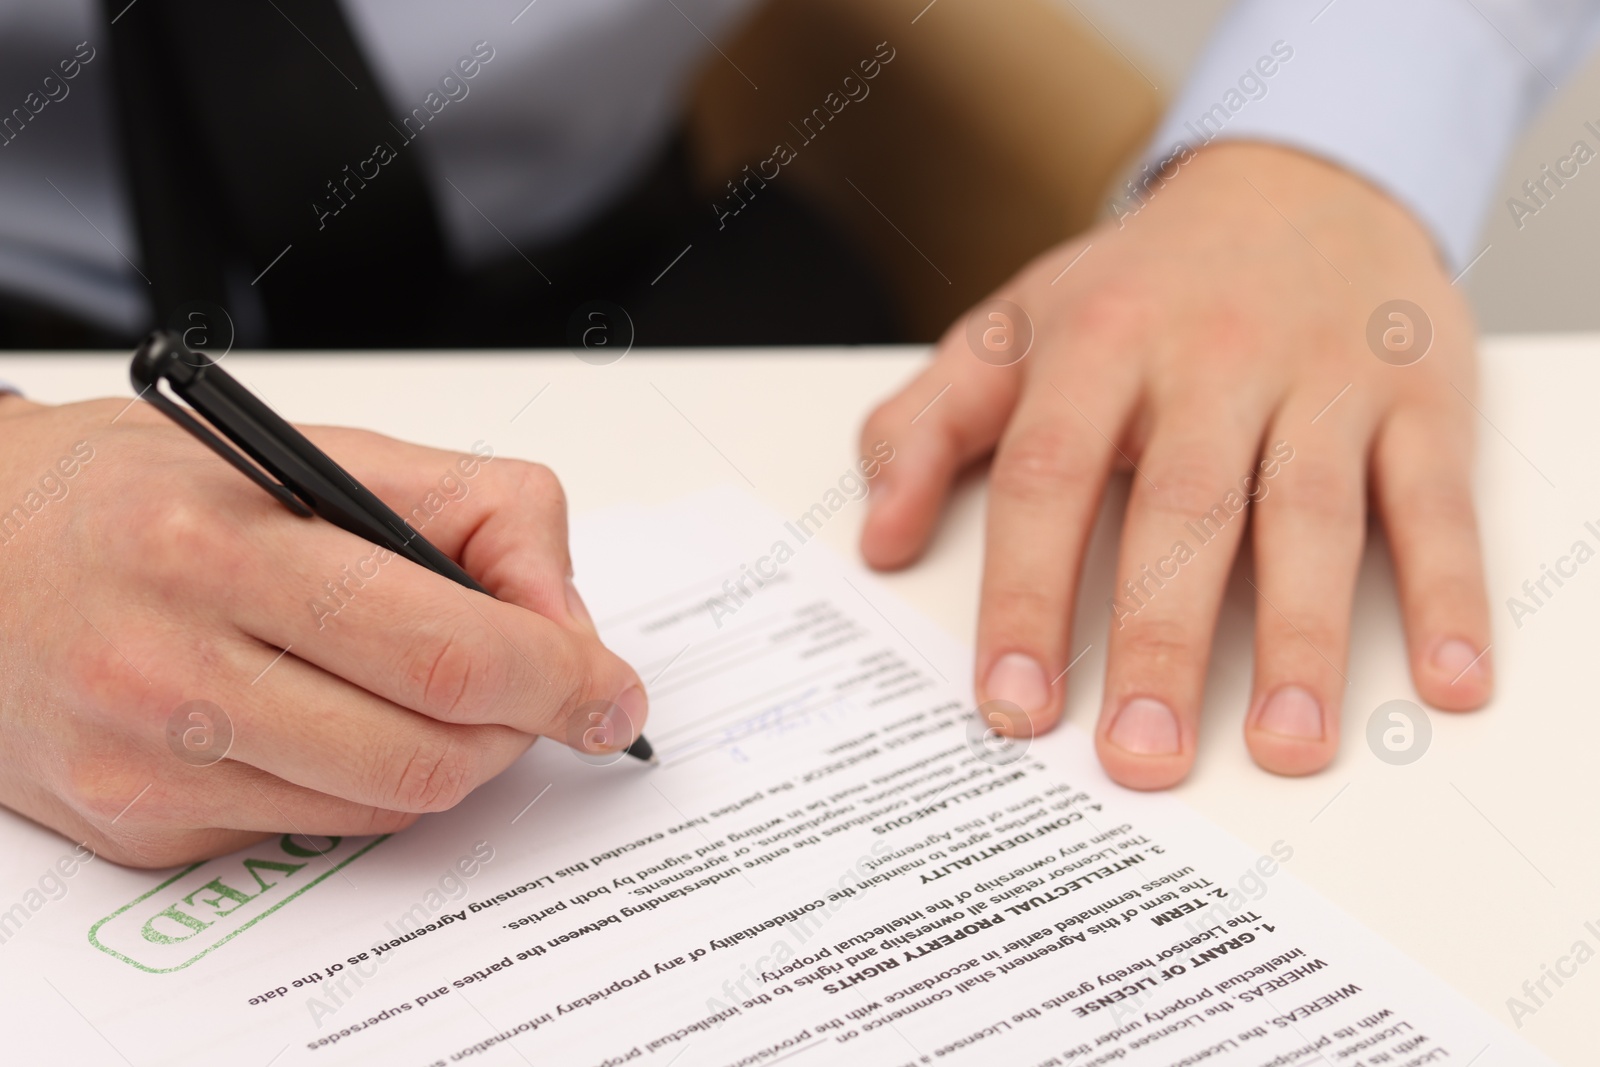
x=1145 y=727
x=575 y=605
x=1292 y=712
x=1019 y=680
x=625 y=718
x=1457 y=660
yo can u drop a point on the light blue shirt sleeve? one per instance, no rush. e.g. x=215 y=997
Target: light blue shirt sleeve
x=1424 y=98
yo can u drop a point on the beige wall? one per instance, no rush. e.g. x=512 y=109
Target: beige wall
x=1541 y=277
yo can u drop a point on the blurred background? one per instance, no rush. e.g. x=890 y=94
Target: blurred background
x=1539 y=278
x=600 y=168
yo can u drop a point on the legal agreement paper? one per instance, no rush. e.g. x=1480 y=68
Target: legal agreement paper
x=836 y=862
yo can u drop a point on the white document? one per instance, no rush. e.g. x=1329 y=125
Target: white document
x=834 y=864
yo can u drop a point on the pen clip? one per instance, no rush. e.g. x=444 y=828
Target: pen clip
x=164 y=357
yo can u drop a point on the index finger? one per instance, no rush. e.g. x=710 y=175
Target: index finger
x=504 y=520
x=1049 y=475
x=420 y=641
x=947 y=417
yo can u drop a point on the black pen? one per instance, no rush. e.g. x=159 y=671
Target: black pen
x=308 y=481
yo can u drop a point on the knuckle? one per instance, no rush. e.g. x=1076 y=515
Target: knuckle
x=1438 y=505
x=1159 y=646
x=101 y=678
x=881 y=422
x=953 y=438
x=437 y=776
x=1040 y=464
x=1022 y=609
x=535 y=479
x=1228 y=333
x=1321 y=490
x=456 y=675
x=122 y=819
x=1187 y=487
x=1311 y=650
x=1310 y=633
x=1455 y=598
x=101 y=792
x=171 y=538
x=937 y=433
x=1113 y=311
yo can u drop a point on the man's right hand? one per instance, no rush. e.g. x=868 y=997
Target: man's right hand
x=139 y=574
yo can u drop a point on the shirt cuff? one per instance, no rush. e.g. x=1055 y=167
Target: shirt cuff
x=1423 y=99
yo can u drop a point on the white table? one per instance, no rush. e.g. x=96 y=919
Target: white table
x=1480 y=860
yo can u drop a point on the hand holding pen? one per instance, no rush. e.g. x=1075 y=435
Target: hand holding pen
x=203 y=687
